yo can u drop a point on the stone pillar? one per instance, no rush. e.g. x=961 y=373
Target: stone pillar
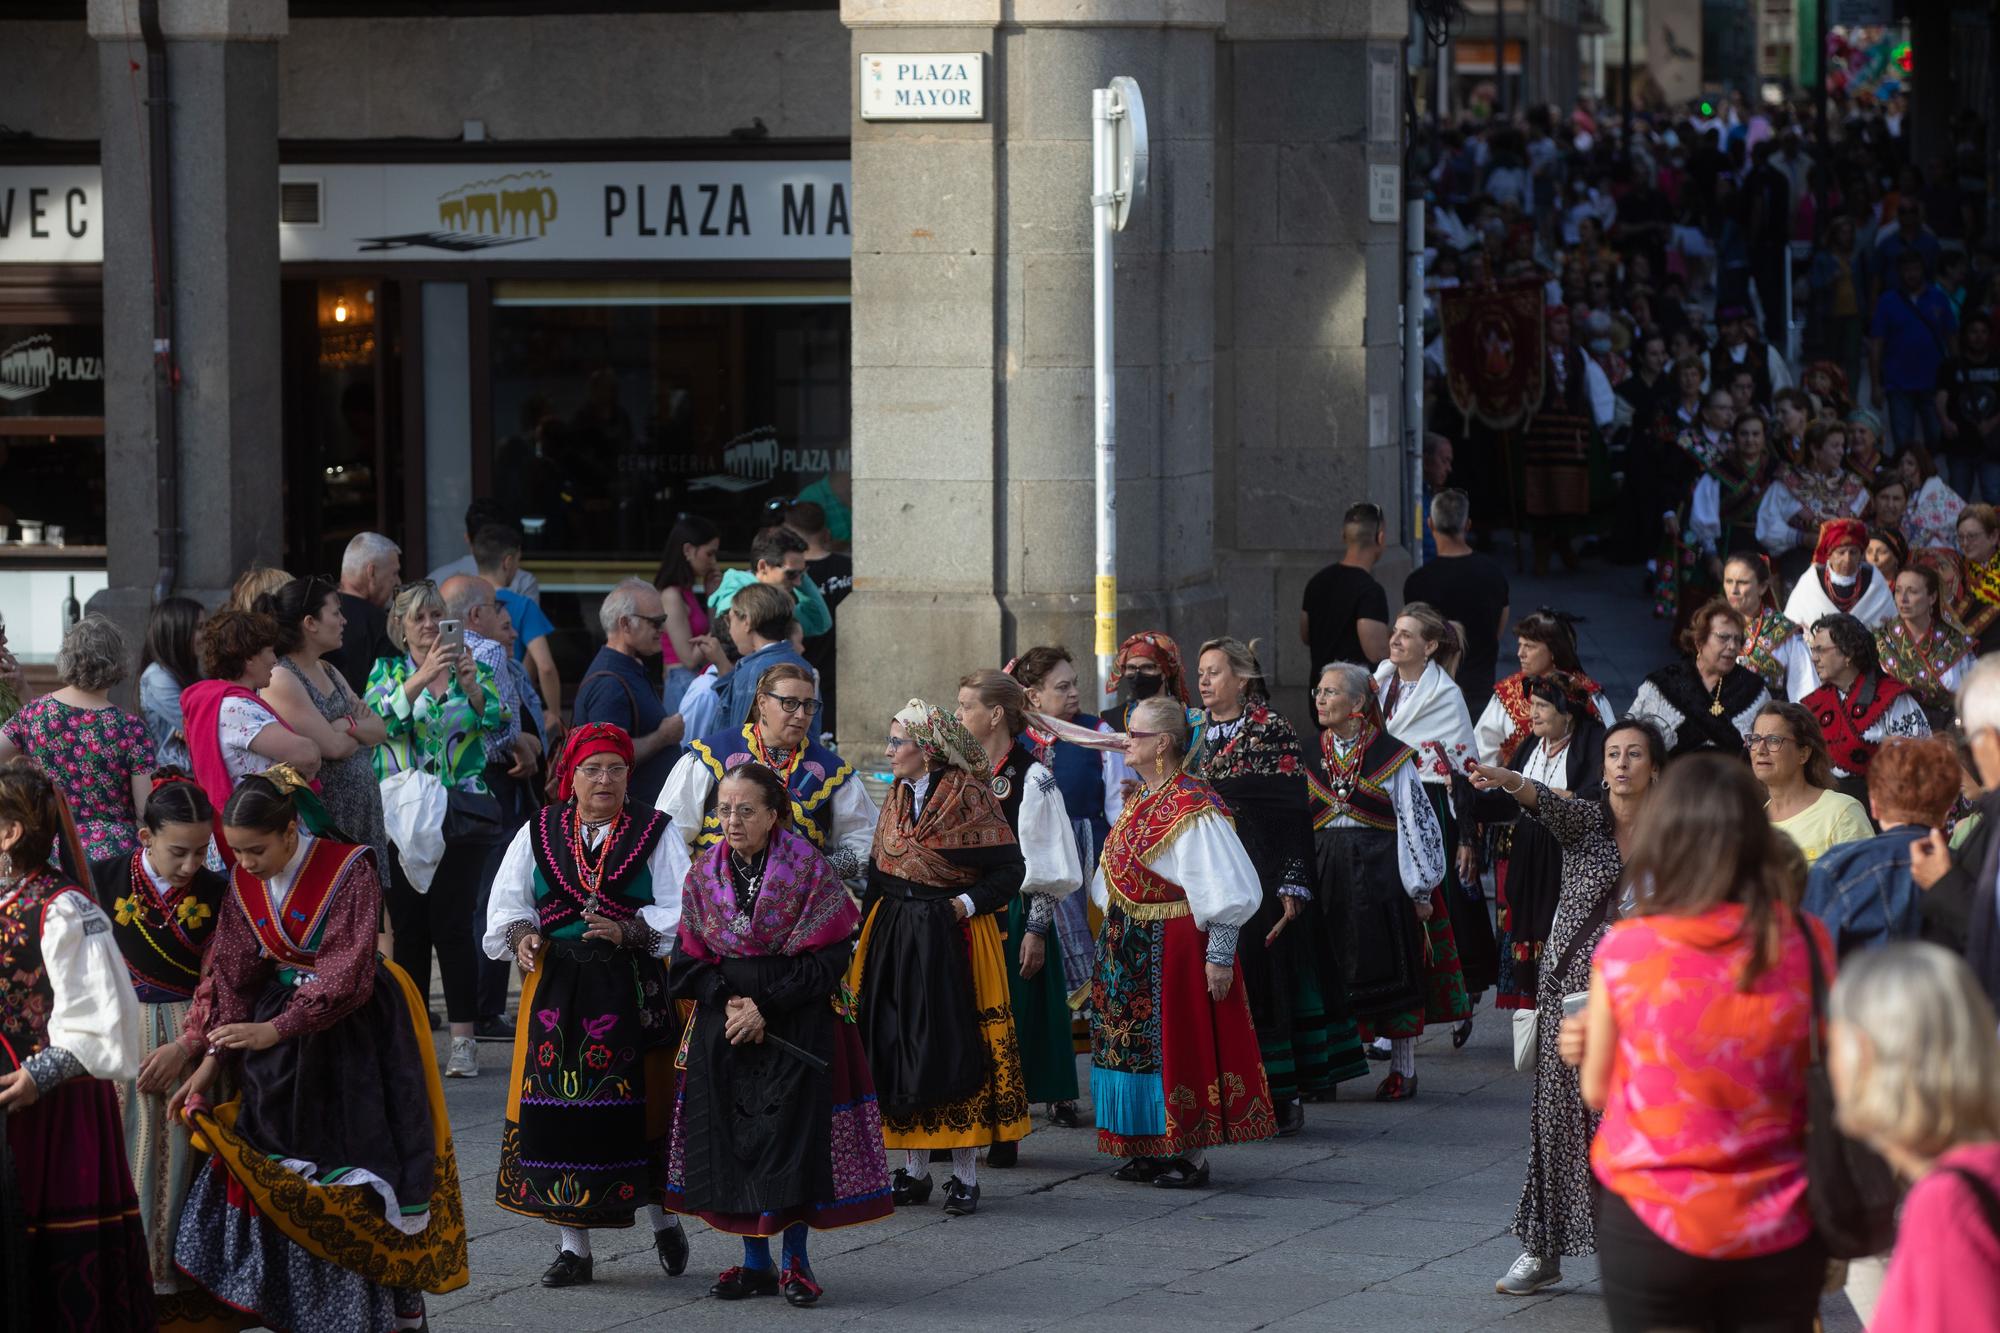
x=1309 y=367
x=972 y=428
x=223 y=131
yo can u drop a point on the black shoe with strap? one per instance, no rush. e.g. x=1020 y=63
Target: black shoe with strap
x=671 y=1244
x=960 y=1199
x=735 y=1284
x=1138 y=1171
x=797 y=1284
x=569 y=1270
x=1181 y=1174
x=1065 y=1115
x=1396 y=1088
x=906 y=1190
x=1291 y=1117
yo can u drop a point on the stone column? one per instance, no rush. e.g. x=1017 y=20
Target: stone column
x=972 y=428
x=1309 y=382
x=223 y=130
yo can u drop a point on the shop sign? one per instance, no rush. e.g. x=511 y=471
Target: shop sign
x=49 y=215
x=707 y=211
x=54 y=370
x=923 y=85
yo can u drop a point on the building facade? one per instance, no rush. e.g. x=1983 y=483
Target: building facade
x=612 y=266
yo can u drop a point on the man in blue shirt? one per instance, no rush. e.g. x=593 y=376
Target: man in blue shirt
x=760 y=623
x=1908 y=340
x=496 y=550
x=618 y=688
x=1863 y=891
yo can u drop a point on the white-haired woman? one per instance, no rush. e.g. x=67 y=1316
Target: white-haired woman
x=1915 y=1061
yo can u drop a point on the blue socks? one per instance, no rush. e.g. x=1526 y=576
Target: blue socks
x=757 y=1250
x=757 y=1253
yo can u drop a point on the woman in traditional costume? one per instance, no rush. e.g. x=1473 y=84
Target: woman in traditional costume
x=1702 y=447
x=1564 y=750
x=1841 y=582
x=330 y=1197
x=1722 y=514
x=830 y=808
x=1774 y=646
x=776 y=1128
x=586 y=902
x=1092 y=782
x=1545 y=644
x=1174 y=1069
x=1147 y=664
x=164 y=905
x=1707 y=700
x=1929 y=516
x=929 y=972
x=1804 y=498
x=992 y=706
x=1978 y=605
x=1921 y=650
x=1248 y=754
x=72 y=1250
x=1380 y=855
x=1425 y=710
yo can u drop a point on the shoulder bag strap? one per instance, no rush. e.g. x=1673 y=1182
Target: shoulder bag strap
x=1585 y=931
x=631 y=699
x=1989 y=1202
x=1818 y=989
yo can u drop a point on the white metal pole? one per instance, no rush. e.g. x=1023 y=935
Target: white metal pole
x=1413 y=378
x=1104 y=183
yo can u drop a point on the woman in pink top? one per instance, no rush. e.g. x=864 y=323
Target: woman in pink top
x=1693 y=1045
x=1915 y=1065
x=686 y=571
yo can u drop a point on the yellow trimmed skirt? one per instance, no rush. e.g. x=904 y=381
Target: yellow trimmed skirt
x=997 y=1112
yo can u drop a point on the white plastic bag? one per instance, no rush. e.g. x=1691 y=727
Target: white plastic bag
x=413 y=806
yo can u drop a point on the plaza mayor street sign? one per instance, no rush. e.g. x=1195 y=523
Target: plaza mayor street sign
x=923 y=85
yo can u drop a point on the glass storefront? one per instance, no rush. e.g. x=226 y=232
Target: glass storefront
x=52 y=433
x=617 y=407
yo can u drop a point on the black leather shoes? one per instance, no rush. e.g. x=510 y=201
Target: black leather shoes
x=906 y=1190
x=1291 y=1117
x=671 y=1243
x=1461 y=1034
x=735 y=1284
x=1004 y=1155
x=569 y=1270
x=1396 y=1088
x=960 y=1199
x=1179 y=1175
x=1065 y=1115
x=1139 y=1171
x=798 y=1286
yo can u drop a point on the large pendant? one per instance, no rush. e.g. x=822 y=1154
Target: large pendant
x=1715 y=709
x=1001 y=786
x=740 y=923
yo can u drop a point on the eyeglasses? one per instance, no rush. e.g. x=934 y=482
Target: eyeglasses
x=1754 y=741
x=789 y=703
x=603 y=773
x=1327 y=694
x=657 y=622
x=898 y=742
x=1144 y=735
x=725 y=813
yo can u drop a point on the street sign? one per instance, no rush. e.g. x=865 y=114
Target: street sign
x=1129 y=110
x=923 y=85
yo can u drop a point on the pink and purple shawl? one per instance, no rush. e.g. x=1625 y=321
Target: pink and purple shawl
x=802 y=906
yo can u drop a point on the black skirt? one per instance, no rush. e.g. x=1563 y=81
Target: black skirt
x=1381 y=950
x=917 y=1014
x=351 y=1097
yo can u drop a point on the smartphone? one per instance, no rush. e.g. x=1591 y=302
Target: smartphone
x=1574 y=1002
x=451 y=635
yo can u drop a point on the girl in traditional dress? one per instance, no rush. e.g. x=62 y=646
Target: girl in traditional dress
x=929 y=972
x=775 y=1124
x=1805 y=497
x=72 y=1250
x=1424 y=710
x=164 y=904
x=330 y=1197
x=1841 y=581
x=1380 y=855
x=830 y=808
x=1921 y=650
x=992 y=706
x=1247 y=752
x=1174 y=1069
x=1564 y=750
x=1773 y=647
x=1545 y=644
x=586 y=902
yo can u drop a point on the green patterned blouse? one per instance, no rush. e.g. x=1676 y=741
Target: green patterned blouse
x=444 y=736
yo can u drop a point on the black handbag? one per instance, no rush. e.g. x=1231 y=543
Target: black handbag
x=471 y=816
x=1850 y=1191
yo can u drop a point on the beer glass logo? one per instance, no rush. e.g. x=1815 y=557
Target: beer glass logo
x=27 y=368
x=478 y=215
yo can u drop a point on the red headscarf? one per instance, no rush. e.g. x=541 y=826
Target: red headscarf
x=584 y=741
x=1836 y=533
x=1154 y=647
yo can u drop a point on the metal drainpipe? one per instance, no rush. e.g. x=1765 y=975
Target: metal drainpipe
x=166 y=376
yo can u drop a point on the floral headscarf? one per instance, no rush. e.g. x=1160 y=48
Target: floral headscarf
x=941 y=737
x=1153 y=646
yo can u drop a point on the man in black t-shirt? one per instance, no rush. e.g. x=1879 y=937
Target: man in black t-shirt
x=1345 y=617
x=369 y=571
x=1969 y=409
x=1467 y=587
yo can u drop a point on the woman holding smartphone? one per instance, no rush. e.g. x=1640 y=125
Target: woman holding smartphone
x=1595 y=831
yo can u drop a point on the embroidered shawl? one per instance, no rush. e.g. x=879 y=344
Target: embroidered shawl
x=1922 y=664
x=1430 y=718
x=944 y=846
x=801 y=904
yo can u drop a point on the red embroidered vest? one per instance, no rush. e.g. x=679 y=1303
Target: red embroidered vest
x=1369 y=801
x=291 y=935
x=1846 y=721
x=1146 y=821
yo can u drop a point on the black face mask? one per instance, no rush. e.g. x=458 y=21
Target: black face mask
x=1143 y=687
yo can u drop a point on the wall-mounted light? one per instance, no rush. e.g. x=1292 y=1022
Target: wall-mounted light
x=340 y=312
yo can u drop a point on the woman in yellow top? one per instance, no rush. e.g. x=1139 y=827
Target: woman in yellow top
x=1788 y=755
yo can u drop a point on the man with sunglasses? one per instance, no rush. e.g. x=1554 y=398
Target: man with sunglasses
x=618 y=689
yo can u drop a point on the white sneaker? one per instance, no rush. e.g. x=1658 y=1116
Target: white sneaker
x=464 y=1062
x=1529 y=1275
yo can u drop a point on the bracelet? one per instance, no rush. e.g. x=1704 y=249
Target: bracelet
x=1515 y=790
